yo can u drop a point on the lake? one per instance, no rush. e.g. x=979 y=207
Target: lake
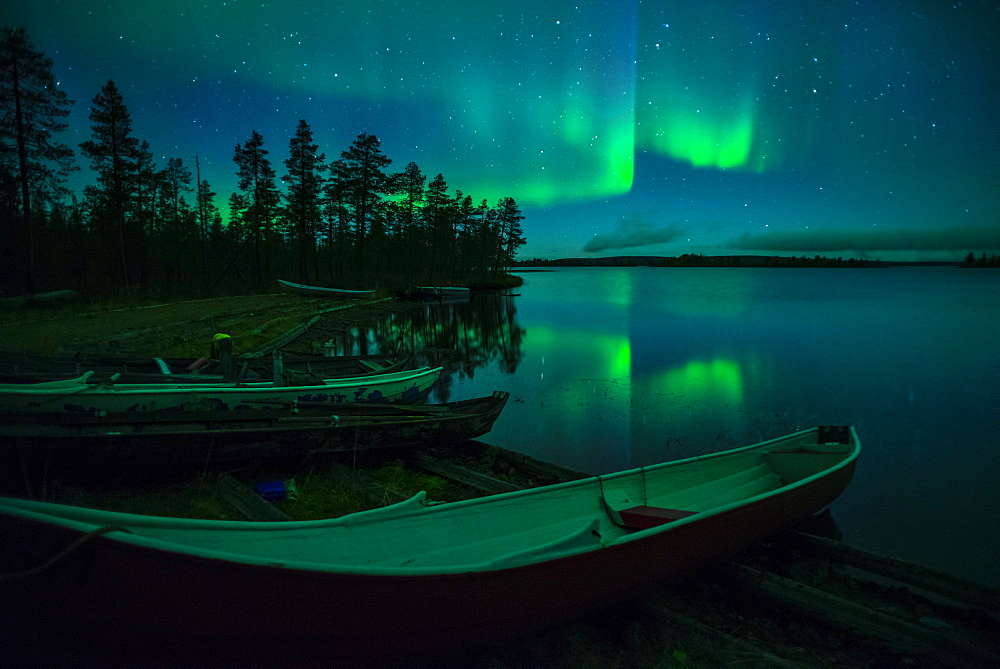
x=612 y=368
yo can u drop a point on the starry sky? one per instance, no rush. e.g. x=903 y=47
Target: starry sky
x=620 y=128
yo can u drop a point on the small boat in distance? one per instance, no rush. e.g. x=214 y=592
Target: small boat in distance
x=444 y=292
x=414 y=576
x=319 y=291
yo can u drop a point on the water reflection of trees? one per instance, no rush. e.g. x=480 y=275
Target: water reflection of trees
x=462 y=337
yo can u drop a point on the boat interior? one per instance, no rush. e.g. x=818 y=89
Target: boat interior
x=416 y=536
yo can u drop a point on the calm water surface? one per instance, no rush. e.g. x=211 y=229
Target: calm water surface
x=615 y=368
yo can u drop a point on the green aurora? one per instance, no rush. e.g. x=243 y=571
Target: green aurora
x=726 y=121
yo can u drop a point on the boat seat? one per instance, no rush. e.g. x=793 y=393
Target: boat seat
x=374 y=366
x=644 y=517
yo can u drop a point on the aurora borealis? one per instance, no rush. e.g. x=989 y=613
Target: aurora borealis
x=622 y=127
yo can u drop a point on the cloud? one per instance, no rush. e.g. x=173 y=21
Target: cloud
x=954 y=238
x=632 y=232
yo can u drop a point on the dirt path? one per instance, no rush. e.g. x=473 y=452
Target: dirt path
x=179 y=328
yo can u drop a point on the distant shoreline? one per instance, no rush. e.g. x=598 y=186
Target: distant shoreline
x=726 y=261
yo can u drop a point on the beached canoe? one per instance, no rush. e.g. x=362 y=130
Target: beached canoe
x=77 y=396
x=33 y=368
x=412 y=575
x=319 y=291
x=349 y=426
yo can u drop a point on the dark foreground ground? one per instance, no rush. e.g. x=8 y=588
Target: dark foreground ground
x=721 y=615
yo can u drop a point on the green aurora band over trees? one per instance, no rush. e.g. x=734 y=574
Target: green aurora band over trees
x=653 y=128
x=137 y=229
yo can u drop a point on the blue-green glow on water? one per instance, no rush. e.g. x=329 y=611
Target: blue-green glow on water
x=613 y=368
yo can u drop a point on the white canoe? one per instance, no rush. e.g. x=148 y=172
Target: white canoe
x=320 y=291
x=76 y=395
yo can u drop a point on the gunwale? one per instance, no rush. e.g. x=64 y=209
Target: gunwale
x=114 y=397
x=524 y=557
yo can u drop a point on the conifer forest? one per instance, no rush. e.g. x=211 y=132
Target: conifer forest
x=301 y=212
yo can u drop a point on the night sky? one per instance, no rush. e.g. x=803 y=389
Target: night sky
x=621 y=128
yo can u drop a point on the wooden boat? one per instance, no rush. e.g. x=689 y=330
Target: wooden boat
x=414 y=576
x=345 y=427
x=32 y=368
x=444 y=292
x=319 y=291
x=77 y=396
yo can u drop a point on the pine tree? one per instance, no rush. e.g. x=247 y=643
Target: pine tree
x=304 y=195
x=510 y=235
x=207 y=212
x=31 y=110
x=365 y=183
x=335 y=211
x=114 y=154
x=148 y=189
x=437 y=215
x=411 y=182
x=176 y=181
x=257 y=181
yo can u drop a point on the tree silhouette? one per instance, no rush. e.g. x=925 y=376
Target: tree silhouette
x=114 y=155
x=365 y=182
x=304 y=194
x=31 y=110
x=257 y=181
x=136 y=228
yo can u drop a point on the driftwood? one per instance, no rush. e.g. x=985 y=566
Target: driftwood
x=297 y=331
x=461 y=474
x=944 y=647
x=952 y=587
x=529 y=465
x=281 y=340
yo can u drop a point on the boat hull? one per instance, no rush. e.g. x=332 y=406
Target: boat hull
x=409 y=387
x=264 y=432
x=448 y=293
x=319 y=291
x=370 y=614
x=28 y=368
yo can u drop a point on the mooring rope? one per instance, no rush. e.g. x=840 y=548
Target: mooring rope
x=80 y=541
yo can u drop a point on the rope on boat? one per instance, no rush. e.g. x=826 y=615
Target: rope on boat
x=80 y=541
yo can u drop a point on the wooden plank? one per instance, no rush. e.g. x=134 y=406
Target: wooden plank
x=974 y=594
x=530 y=465
x=246 y=501
x=940 y=646
x=281 y=340
x=481 y=482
